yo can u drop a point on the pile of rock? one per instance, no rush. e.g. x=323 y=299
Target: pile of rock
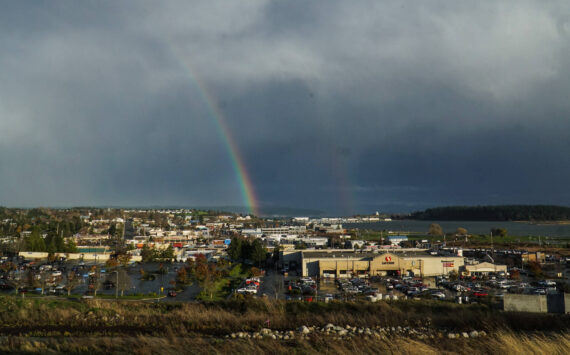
x=471 y=334
x=340 y=332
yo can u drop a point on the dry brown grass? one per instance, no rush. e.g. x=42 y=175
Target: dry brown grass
x=34 y=316
x=43 y=326
x=500 y=343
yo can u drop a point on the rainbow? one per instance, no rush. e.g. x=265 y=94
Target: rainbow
x=244 y=180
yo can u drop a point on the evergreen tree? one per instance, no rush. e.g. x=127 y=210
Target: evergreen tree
x=258 y=253
x=35 y=242
x=59 y=243
x=70 y=246
x=235 y=249
x=167 y=253
x=51 y=248
x=147 y=253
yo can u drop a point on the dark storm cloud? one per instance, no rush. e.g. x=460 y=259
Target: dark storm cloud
x=342 y=106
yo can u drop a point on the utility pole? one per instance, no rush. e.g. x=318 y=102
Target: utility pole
x=117 y=285
x=492 y=247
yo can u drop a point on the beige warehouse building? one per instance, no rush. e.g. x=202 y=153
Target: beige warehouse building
x=482 y=269
x=350 y=263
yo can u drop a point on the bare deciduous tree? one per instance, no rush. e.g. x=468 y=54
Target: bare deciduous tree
x=435 y=229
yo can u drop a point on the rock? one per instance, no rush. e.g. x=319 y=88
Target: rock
x=451 y=336
x=233 y=335
x=342 y=332
x=474 y=334
x=482 y=333
x=304 y=330
x=265 y=331
x=465 y=335
x=286 y=337
x=273 y=336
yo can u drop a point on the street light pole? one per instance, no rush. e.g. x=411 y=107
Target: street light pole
x=117 y=284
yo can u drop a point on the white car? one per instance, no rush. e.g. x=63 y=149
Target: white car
x=328 y=297
x=438 y=295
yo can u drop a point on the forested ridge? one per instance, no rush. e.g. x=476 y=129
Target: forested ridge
x=495 y=213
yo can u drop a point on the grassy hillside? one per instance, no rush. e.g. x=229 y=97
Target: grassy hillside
x=42 y=325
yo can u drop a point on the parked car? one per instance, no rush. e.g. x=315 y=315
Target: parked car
x=438 y=295
x=328 y=297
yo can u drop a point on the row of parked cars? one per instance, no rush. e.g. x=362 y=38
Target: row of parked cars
x=356 y=286
x=303 y=286
x=474 y=288
x=496 y=287
x=413 y=288
x=17 y=273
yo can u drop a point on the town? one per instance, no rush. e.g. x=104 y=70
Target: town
x=177 y=255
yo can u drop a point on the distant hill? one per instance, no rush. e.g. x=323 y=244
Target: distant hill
x=495 y=213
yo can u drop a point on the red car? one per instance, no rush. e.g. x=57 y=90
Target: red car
x=480 y=293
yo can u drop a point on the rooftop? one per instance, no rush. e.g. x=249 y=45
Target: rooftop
x=347 y=254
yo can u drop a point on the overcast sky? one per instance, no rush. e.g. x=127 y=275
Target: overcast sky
x=343 y=106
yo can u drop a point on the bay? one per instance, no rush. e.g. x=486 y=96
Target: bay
x=473 y=227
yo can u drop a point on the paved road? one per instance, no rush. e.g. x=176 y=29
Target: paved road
x=272 y=285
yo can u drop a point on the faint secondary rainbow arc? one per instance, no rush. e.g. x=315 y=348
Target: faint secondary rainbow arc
x=238 y=164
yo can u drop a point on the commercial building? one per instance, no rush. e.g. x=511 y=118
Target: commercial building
x=397 y=239
x=483 y=269
x=350 y=263
x=533 y=257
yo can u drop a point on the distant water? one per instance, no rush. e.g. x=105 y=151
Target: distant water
x=513 y=228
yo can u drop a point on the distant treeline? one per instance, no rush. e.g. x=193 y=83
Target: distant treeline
x=495 y=213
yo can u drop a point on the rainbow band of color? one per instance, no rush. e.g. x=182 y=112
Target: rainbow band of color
x=238 y=164
x=240 y=169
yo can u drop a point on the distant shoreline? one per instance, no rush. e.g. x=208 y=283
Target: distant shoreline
x=560 y=222
x=546 y=222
